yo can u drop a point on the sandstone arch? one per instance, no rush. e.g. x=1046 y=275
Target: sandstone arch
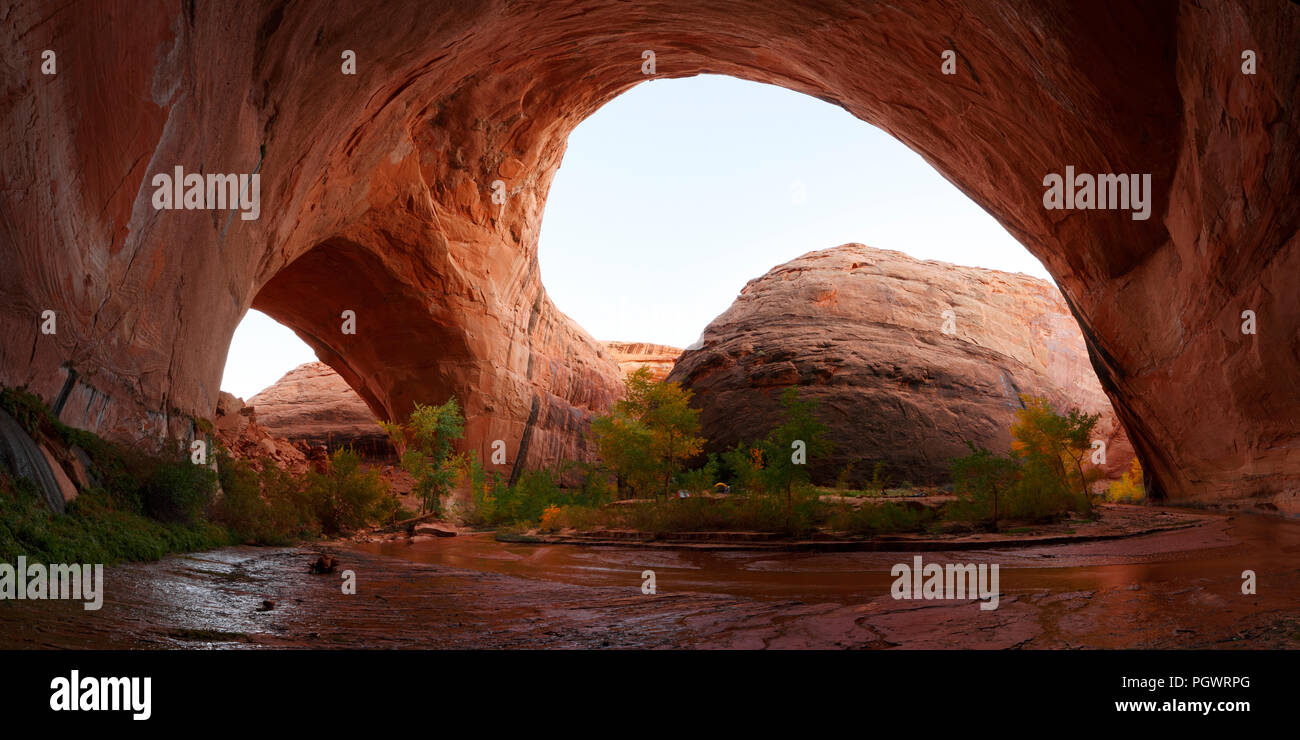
x=398 y=162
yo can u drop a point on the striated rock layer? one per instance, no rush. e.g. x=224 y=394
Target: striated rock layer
x=632 y=356
x=314 y=405
x=908 y=360
x=376 y=194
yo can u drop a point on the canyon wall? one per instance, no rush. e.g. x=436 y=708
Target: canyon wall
x=314 y=405
x=410 y=193
x=632 y=356
x=907 y=359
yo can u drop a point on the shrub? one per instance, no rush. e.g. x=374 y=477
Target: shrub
x=1041 y=496
x=266 y=508
x=879 y=479
x=29 y=411
x=91 y=531
x=426 y=441
x=348 y=498
x=178 y=491
x=743 y=467
x=799 y=426
x=702 y=478
x=1057 y=442
x=873 y=519
x=1043 y=478
x=842 y=481
x=550 y=520
x=986 y=480
x=1129 y=489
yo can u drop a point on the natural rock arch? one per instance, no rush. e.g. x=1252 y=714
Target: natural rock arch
x=397 y=163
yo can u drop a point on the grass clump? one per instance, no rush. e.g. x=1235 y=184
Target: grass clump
x=885 y=518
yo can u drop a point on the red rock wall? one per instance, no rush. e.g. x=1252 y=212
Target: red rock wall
x=389 y=175
x=632 y=356
x=314 y=405
x=907 y=359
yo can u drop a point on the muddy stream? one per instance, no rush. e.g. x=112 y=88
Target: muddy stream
x=1172 y=589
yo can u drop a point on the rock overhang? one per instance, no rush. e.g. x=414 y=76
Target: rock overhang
x=401 y=159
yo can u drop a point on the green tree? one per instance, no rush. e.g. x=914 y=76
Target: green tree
x=798 y=438
x=624 y=446
x=426 y=440
x=986 y=477
x=649 y=433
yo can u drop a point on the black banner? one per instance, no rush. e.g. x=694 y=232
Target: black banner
x=1019 y=691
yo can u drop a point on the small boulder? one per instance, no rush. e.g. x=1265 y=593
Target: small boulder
x=325 y=564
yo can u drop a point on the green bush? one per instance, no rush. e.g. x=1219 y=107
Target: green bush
x=702 y=478
x=29 y=411
x=879 y=479
x=270 y=507
x=647 y=436
x=178 y=491
x=873 y=519
x=426 y=444
x=843 y=481
x=742 y=467
x=1040 y=496
x=984 y=481
x=495 y=503
x=92 y=530
x=348 y=498
x=1041 y=480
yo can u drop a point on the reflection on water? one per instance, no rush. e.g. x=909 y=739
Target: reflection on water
x=1216 y=553
x=1174 y=589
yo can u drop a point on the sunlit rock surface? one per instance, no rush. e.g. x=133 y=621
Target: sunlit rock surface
x=632 y=356
x=907 y=359
x=376 y=195
x=312 y=404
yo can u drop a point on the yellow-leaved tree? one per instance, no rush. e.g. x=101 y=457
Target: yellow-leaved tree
x=647 y=435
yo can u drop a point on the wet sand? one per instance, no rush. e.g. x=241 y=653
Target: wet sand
x=1176 y=589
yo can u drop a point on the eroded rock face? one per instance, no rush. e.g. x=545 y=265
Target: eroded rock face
x=908 y=360
x=314 y=405
x=376 y=195
x=235 y=425
x=632 y=356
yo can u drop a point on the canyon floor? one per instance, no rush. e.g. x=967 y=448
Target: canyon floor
x=1174 y=589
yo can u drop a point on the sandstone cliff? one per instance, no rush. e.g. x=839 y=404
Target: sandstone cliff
x=908 y=359
x=632 y=356
x=314 y=405
x=412 y=192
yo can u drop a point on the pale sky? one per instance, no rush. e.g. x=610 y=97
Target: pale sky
x=675 y=194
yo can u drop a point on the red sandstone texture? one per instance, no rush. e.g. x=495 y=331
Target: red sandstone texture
x=236 y=427
x=632 y=356
x=314 y=405
x=865 y=333
x=376 y=195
